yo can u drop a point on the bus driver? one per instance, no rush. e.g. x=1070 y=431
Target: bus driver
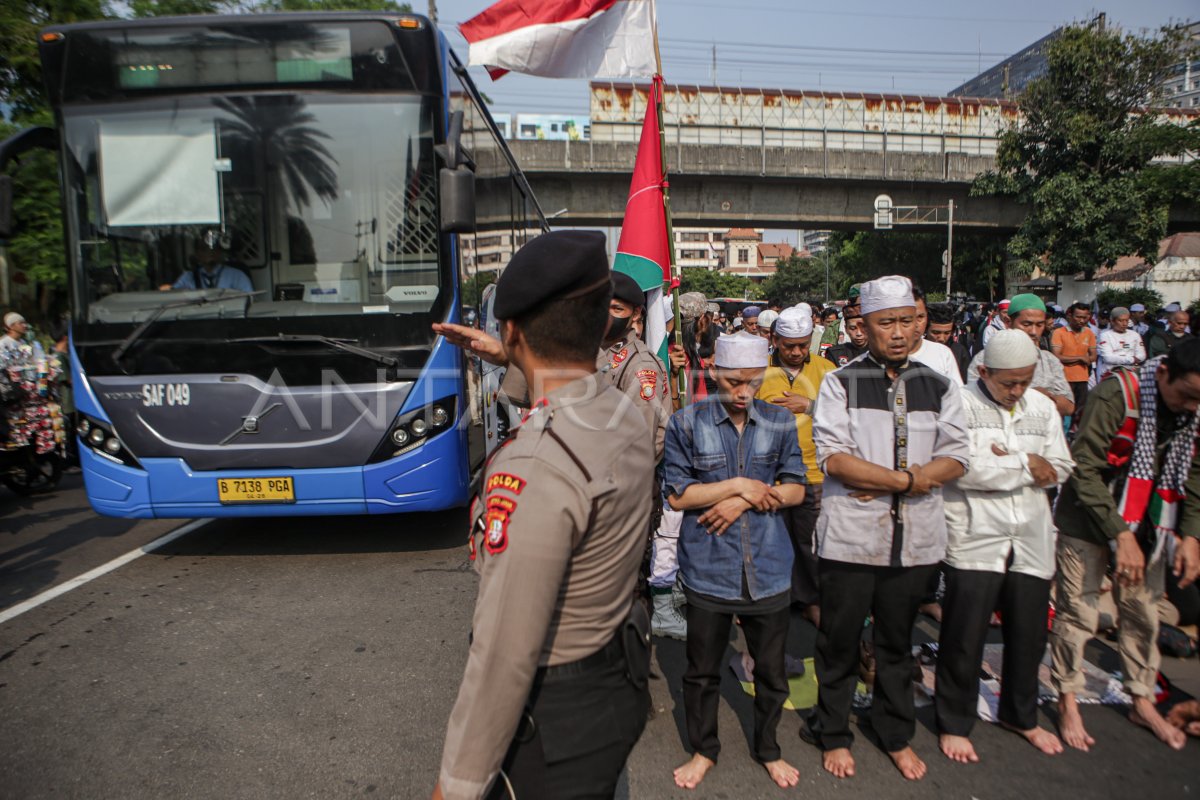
x=209 y=270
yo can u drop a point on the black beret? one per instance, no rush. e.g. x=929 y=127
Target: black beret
x=626 y=289
x=551 y=266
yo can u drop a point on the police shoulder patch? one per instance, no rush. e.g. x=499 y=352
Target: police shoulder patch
x=495 y=526
x=503 y=480
x=648 y=378
x=619 y=358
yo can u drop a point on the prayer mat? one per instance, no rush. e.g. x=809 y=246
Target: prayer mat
x=802 y=680
x=1100 y=687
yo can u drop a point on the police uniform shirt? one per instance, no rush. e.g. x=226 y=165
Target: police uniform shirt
x=558 y=535
x=639 y=374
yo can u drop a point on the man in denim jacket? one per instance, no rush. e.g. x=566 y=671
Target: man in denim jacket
x=732 y=462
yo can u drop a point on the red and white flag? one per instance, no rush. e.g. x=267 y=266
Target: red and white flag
x=564 y=38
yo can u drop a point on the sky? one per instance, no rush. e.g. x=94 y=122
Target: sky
x=927 y=48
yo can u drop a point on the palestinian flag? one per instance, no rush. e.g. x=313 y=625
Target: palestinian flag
x=644 y=250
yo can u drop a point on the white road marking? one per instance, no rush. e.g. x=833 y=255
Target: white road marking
x=104 y=569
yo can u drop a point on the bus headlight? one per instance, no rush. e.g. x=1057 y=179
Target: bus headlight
x=100 y=439
x=440 y=417
x=414 y=428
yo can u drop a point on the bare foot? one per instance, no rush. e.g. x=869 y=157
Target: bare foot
x=1145 y=714
x=838 y=762
x=1040 y=738
x=783 y=773
x=958 y=748
x=1070 y=724
x=933 y=610
x=690 y=774
x=909 y=765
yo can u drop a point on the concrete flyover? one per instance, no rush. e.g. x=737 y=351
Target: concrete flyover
x=735 y=185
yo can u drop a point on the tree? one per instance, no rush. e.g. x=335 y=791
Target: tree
x=472 y=290
x=714 y=284
x=1081 y=157
x=978 y=260
x=798 y=279
x=1110 y=298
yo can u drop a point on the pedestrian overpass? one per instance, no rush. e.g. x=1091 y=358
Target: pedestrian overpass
x=781 y=159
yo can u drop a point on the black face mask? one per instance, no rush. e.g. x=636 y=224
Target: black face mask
x=617 y=327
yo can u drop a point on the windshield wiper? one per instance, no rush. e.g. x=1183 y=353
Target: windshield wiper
x=137 y=332
x=340 y=344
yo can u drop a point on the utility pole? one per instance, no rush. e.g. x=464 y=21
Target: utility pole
x=949 y=246
x=433 y=11
x=714 y=65
x=888 y=214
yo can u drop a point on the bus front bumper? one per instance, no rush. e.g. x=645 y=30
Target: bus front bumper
x=430 y=478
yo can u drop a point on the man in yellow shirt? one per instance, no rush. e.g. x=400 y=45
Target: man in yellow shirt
x=792 y=381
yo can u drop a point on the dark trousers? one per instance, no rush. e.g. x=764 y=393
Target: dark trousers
x=1079 y=391
x=801 y=521
x=707 y=640
x=971 y=597
x=583 y=729
x=849 y=593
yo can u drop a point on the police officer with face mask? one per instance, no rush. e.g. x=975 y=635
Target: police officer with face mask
x=630 y=364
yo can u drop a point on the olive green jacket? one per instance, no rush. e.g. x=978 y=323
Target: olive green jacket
x=1087 y=508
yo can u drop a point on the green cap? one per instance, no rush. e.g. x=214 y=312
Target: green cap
x=1024 y=302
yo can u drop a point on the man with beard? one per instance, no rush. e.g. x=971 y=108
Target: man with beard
x=888 y=433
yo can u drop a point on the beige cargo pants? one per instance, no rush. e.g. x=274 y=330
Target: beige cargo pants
x=1081 y=568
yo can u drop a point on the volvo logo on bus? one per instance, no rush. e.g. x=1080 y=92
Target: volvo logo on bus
x=249 y=424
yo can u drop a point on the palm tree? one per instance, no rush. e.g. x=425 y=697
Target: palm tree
x=282 y=130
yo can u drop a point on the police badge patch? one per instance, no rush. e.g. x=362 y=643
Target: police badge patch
x=649 y=380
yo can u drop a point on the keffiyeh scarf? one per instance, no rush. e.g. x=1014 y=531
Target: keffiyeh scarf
x=1147 y=496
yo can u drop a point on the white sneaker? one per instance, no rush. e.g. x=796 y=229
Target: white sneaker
x=667 y=621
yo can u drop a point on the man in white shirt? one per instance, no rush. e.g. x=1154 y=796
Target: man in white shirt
x=938 y=357
x=1118 y=346
x=1000 y=552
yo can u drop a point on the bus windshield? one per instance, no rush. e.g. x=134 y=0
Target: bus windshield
x=318 y=205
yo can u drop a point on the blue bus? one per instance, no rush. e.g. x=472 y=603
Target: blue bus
x=264 y=215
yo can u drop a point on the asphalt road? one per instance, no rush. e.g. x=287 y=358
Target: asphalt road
x=320 y=658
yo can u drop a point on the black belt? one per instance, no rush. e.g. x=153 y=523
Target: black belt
x=611 y=653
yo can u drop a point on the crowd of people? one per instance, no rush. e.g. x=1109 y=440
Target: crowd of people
x=861 y=464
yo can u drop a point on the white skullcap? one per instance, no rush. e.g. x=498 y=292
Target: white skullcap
x=767 y=318
x=795 y=323
x=1137 y=307
x=804 y=307
x=890 y=291
x=1010 y=349
x=12 y=318
x=741 y=351
x=1172 y=308
x=737 y=322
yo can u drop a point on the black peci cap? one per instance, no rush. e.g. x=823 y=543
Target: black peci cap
x=626 y=289
x=554 y=265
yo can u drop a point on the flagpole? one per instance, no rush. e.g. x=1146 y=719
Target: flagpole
x=657 y=88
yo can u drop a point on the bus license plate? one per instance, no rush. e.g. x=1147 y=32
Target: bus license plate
x=256 y=490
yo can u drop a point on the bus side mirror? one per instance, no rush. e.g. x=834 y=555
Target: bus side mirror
x=457 y=192
x=6 y=206
x=456 y=180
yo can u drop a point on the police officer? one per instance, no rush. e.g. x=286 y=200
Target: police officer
x=629 y=362
x=554 y=695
